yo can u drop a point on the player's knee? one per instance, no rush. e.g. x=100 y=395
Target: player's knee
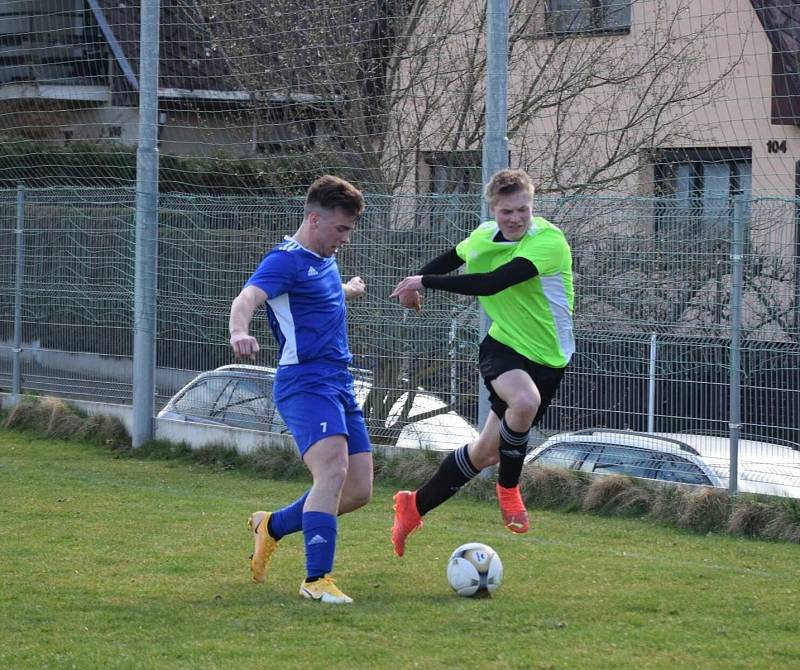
x=362 y=496
x=354 y=497
x=335 y=475
x=524 y=407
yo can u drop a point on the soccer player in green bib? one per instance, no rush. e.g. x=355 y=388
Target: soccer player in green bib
x=520 y=267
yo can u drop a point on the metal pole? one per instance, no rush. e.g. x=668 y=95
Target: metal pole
x=144 y=316
x=495 y=142
x=651 y=385
x=19 y=232
x=737 y=274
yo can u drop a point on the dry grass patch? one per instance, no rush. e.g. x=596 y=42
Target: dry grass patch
x=552 y=488
x=705 y=510
x=750 y=518
x=412 y=469
x=55 y=417
x=278 y=462
x=667 y=504
x=634 y=501
x=24 y=415
x=482 y=488
x=107 y=429
x=604 y=493
x=785 y=524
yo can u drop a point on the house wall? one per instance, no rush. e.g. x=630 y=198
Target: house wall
x=736 y=51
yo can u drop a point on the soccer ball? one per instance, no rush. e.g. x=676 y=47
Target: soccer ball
x=474 y=569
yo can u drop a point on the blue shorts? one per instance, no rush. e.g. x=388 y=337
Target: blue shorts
x=317 y=401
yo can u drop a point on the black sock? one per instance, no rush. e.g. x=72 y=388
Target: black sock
x=513 y=446
x=316 y=578
x=455 y=471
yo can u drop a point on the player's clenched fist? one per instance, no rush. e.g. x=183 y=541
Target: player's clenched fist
x=411 y=300
x=244 y=346
x=355 y=288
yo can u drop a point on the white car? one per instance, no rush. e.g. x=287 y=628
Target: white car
x=241 y=396
x=763 y=467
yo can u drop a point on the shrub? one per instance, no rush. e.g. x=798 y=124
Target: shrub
x=482 y=488
x=414 y=468
x=705 y=510
x=24 y=415
x=634 y=501
x=87 y=164
x=668 y=504
x=552 y=488
x=103 y=429
x=604 y=493
x=278 y=462
x=785 y=525
x=750 y=517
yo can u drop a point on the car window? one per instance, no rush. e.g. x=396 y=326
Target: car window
x=626 y=460
x=248 y=405
x=677 y=469
x=564 y=455
x=202 y=398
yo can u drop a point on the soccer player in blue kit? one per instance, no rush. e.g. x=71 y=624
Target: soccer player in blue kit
x=299 y=281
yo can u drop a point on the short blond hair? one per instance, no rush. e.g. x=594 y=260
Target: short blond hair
x=507 y=182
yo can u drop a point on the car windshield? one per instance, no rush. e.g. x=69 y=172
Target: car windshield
x=248 y=405
x=676 y=469
x=204 y=397
x=235 y=401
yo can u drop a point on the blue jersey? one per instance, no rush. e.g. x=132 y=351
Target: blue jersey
x=305 y=304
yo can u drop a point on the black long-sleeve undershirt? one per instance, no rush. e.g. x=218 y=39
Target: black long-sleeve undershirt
x=481 y=283
x=442 y=264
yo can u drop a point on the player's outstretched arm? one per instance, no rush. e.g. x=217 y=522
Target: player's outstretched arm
x=243 y=307
x=408 y=291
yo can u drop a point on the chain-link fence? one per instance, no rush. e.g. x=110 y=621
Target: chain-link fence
x=652 y=304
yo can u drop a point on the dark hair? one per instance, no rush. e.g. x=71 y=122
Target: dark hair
x=507 y=182
x=329 y=192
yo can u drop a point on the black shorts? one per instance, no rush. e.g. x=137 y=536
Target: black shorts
x=495 y=358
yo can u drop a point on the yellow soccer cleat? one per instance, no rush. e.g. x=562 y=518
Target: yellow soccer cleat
x=265 y=545
x=325 y=591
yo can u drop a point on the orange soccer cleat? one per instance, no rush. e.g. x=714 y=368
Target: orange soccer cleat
x=515 y=517
x=406 y=519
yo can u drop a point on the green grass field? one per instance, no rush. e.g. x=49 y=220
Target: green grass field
x=124 y=563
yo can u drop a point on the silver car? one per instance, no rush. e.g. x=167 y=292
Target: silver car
x=241 y=396
x=764 y=467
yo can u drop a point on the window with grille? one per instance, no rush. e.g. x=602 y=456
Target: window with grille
x=565 y=17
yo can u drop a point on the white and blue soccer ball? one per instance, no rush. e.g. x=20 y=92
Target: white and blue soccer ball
x=474 y=569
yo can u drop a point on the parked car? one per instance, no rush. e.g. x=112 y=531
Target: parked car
x=241 y=396
x=764 y=467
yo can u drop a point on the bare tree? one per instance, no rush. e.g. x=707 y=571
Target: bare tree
x=379 y=82
x=583 y=109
